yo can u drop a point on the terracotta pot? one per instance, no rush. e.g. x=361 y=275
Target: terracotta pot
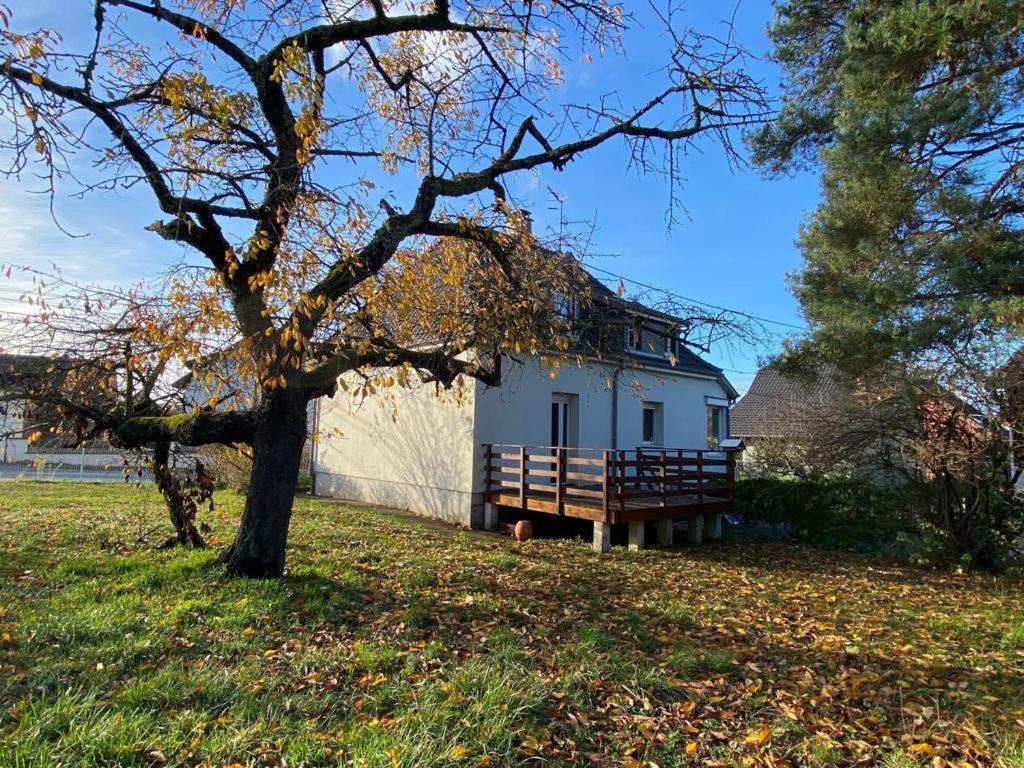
x=523 y=531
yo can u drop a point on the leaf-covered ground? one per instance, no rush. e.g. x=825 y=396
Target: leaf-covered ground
x=394 y=642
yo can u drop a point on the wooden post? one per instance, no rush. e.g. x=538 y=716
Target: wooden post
x=522 y=476
x=622 y=479
x=700 y=476
x=730 y=471
x=605 y=479
x=681 y=483
x=559 y=478
x=488 y=475
x=664 y=492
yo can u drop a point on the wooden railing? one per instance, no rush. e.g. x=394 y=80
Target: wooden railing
x=608 y=479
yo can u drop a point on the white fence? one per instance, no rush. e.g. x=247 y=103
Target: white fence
x=76 y=464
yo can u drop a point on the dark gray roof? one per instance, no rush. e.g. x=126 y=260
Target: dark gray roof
x=781 y=405
x=686 y=361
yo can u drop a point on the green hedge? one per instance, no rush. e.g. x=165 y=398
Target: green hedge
x=843 y=513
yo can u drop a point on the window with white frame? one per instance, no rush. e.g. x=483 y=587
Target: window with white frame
x=718 y=424
x=566 y=307
x=653 y=427
x=671 y=344
x=653 y=340
x=634 y=339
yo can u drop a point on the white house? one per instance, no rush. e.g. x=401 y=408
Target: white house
x=424 y=452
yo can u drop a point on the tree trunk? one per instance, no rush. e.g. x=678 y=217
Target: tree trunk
x=259 y=547
x=180 y=502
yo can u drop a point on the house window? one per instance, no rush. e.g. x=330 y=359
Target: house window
x=564 y=420
x=566 y=307
x=634 y=339
x=653 y=424
x=654 y=340
x=718 y=425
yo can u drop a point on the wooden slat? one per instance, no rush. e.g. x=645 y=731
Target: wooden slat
x=548 y=505
x=585 y=493
x=586 y=462
x=673 y=462
x=496 y=455
x=542 y=472
x=547 y=461
x=517 y=485
x=593 y=476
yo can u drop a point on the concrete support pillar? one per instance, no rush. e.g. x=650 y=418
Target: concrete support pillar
x=490 y=517
x=636 y=536
x=665 y=533
x=695 y=529
x=602 y=537
x=713 y=525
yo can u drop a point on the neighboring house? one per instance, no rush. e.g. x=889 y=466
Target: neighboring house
x=25 y=426
x=818 y=422
x=784 y=406
x=214 y=378
x=638 y=387
x=807 y=423
x=810 y=422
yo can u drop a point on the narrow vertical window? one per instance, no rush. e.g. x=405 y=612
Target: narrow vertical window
x=651 y=429
x=718 y=425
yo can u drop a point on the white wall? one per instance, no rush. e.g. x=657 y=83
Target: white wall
x=685 y=410
x=415 y=453
x=519 y=411
x=12 y=424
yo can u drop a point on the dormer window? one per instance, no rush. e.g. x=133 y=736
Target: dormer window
x=655 y=341
x=634 y=339
x=566 y=307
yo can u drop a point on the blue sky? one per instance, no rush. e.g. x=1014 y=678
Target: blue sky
x=733 y=247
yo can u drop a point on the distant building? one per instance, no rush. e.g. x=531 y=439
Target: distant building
x=26 y=427
x=781 y=405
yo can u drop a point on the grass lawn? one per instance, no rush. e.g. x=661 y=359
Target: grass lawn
x=397 y=643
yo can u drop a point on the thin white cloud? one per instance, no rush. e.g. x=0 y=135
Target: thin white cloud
x=106 y=245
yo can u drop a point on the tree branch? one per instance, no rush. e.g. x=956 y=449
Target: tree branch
x=442 y=365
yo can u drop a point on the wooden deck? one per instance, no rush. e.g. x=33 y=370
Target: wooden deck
x=608 y=486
